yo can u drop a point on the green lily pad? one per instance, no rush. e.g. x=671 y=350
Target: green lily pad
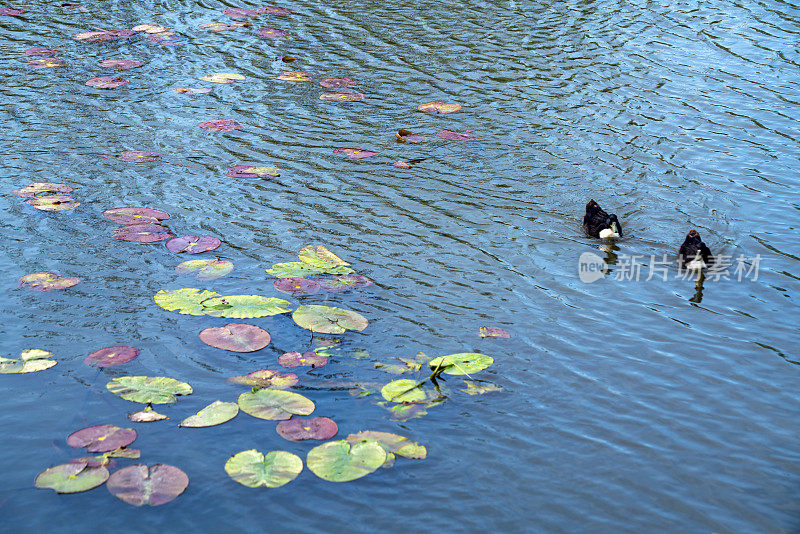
x=462 y=363
x=274 y=404
x=72 y=477
x=320 y=257
x=328 y=319
x=404 y=390
x=186 y=300
x=244 y=306
x=253 y=469
x=29 y=361
x=392 y=443
x=206 y=269
x=216 y=413
x=299 y=269
x=148 y=389
x=338 y=461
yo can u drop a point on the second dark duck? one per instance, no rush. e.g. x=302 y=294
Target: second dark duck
x=598 y=223
x=694 y=254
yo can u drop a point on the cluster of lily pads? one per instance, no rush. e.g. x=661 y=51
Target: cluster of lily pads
x=47 y=196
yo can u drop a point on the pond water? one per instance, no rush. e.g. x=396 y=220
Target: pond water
x=626 y=405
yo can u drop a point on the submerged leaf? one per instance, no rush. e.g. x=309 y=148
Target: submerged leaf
x=253 y=469
x=186 y=300
x=328 y=319
x=477 y=388
x=236 y=337
x=148 y=389
x=338 y=461
x=216 y=413
x=274 y=404
x=137 y=485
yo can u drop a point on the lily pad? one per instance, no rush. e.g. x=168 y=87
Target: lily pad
x=53 y=203
x=244 y=306
x=299 y=269
x=266 y=378
x=135 y=215
x=296 y=76
x=479 y=388
x=404 y=390
x=242 y=13
x=222 y=77
x=71 y=477
x=101 y=438
x=344 y=282
x=274 y=404
x=354 y=152
x=106 y=82
x=142 y=233
x=493 y=331
x=296 y=286
x=193 y=244
x=138 y=485
x=148 y=415
x=30 y=361
x=236 y=337
x=11 y=11
x=35 y=189
x=320 y=256
x=297 y=429
x=106 y=35
x=138 y=156
x=274 y=33
x=43 y=63
x=338 y=461
x=458 y=136
x=111 y=356
x=149 y=28
x=306 y=359
x=392 y=443
x=250 y=171
x=41 y=51
x=439 y=107
x=191 y=90
x=253 y=469
x=328 y=319
x=216 y=413
x=205 y=269
x=47 y=281
x=186 y=301
x=222 y=26
x=400 y=164
x=148 y=389
x=337 y=83
x=121 y=63
x=222 y=125
x=407 y=136
x=341 y=97
x=462 y=363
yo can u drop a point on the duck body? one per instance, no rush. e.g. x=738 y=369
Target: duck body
x=694 y=255
x=598 y=223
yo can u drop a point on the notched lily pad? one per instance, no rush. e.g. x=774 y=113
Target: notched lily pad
x=216 y=413
x=266 y=378
x=338 y=461
x=328 y=319
x=223 y=125
x=306 y=359
x=135 y=215
x=253 y=469
x=186 y=300
x=142 y=233
x=296 y=286
x=297 y=429
x=71 y=477
x=138 y=485
x=193 y=244
x=205 y=269
x=462 y=363
x=35 y=189
x=47 y=281
x=392 y=443
x=274 y=404
x=354 y=152
x=111 y=356
x=439 y=107
x=148 y=389
x=236 y=337
x=244 y=306
x=101 y=438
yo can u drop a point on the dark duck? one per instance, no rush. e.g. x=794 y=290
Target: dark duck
x=694 y=254
x=598 y=223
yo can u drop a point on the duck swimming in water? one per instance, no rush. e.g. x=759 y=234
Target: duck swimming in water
x=694 y=255
x=598 y=223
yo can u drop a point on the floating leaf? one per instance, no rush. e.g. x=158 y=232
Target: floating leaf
x=476 y=388
x=404 y=390
x=121 y=64
x=320 y=256
x=46 y=63
x=439 y=107
x=266 y=378
x=462 y=363
x=186 y=300
x=107 y=35
x=47 y=281
x=458 y=136
x=244 y=306
x=241 y=13
x=222 y=77
x=299 y=269
x=11 y=11
x=274 y=404
x=111 y=356
x=338 y=461
x=342 y=97
x=297 y=429
x=337 y=83
x=142 y=233
x=306 y=359
x=137 y=485
x=354 y=152
x=216 y=413
x=148 y=389
x=53 y=203
x=193 y=244
x=101 y=438
x=135 y=215
x=406 y=136
x=222 y=125
x=34 y=189
x=138 y=156
x=106 y=82
x=296 y=76
x=250 y=171
x=236 y=337
x=205 y=269
x=72 y=477
x=274 y=33
x=296 y=286
x=166 y=39
x=253 y=469
x=148 y=415
x=41 y=51
x=149 y=28
x=392 y=443
x=30 y=361
x=344 y=282
x=493 y=331
x=328 y=319
x=191 y=90
x=222 y=26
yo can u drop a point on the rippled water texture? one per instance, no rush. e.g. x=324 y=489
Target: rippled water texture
x=626 y=406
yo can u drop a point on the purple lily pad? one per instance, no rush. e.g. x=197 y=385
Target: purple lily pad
x=274 y=10
x=296 y=286
x=135 y=215
x=243 y=13
x=337 y=82
x=493 y=331
x=191 y=90
x=193 y=244
x=142 y=233
x=266 y=378
x=101 y=438
x=53 y=202
x=236 y=337
x=106 y=82
x=109 y=35
x=138 y=156
x=344 y=282
x=306 y=359
x=41 y=51
x=224 y=125
x=247 y=171
x=10 y=11
x=274 y=33
x=121 y=63
x=406 y=136
x=34 y=189
x=46 y=62
x=111 y=356
x=47 y=281
x=354 y=152
x=342 y=97
x=137 y=485
x=297 y=429
x=458 y=136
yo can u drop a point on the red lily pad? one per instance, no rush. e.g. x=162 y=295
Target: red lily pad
x=297 y=429
x=47 y=281
x=138 y=156
x=274 y=33
x=439 y=107
x=10 y=11
x=225 y=125
x=493 y=331
x=296 y=286
x=34 y=189
x=109 y=35
x=106 y=82
x=458 y=136
x=41 y=51
x=222 y=26
x=121 y=63
x=274 y=10
x=142 y=233
x=342 y=97
x=406 y=136
x=243 y=13
x=266 y=378
x=354 y=152
x=193 y=244
x=137 y=485
x=191 y=90
x=48 y=62
x=252 y=171
x=344 y=282
x=135 y=215
x=53 y=202
x=337 y=82
x=101 y=438
x=236 y=337
x=111 y=356
x=306 y=359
